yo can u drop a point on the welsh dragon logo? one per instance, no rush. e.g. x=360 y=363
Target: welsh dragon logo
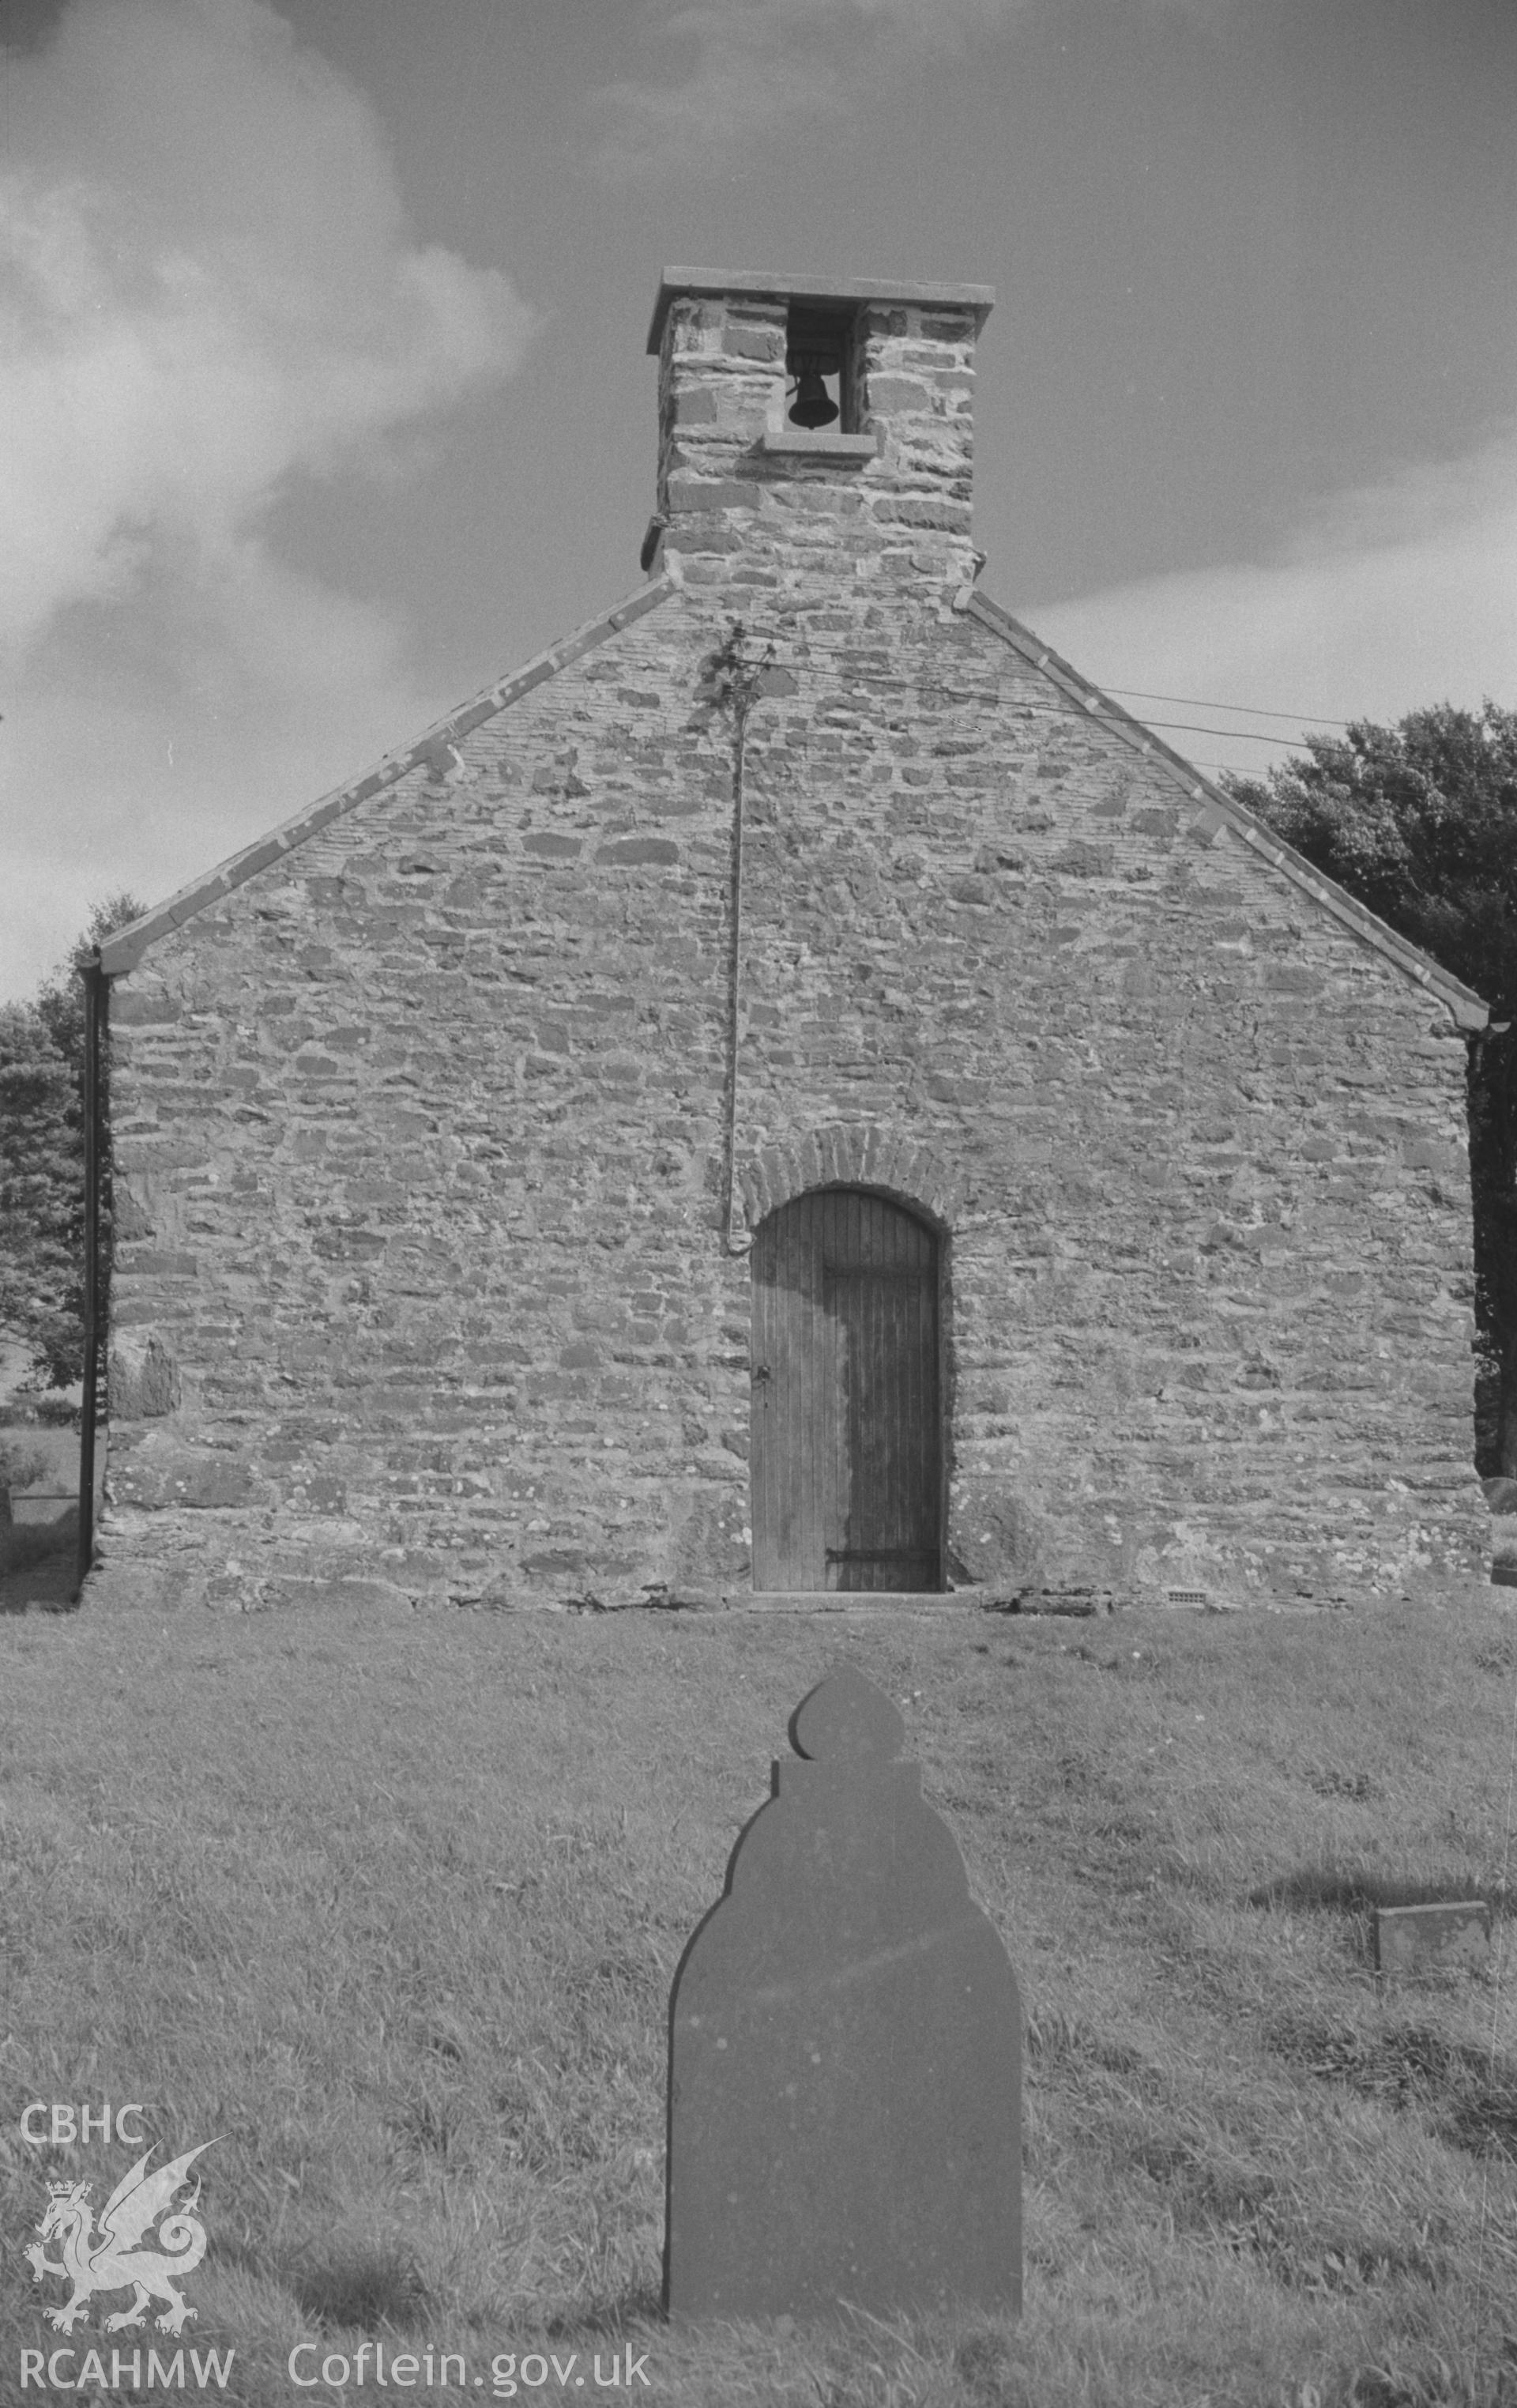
x=111 y=2261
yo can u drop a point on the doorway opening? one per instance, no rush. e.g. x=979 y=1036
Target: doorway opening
x=847 y=1453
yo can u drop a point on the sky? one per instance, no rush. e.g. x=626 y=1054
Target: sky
x=324 y=399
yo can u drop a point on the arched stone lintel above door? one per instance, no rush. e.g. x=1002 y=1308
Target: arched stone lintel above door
x=856 y=1154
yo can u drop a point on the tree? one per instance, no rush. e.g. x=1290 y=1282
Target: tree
x=41 y=1195
x=1420 y=823
x=42 y=1159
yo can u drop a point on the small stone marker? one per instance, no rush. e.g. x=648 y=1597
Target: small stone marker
x=845 y=2051
x=1419 y=1939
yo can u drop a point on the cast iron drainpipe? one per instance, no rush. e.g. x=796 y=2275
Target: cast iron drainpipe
x=96 y=1015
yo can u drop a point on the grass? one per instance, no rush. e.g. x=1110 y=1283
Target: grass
x=391 y=1903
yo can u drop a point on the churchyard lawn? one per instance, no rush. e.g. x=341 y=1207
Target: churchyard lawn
x=387 y=1905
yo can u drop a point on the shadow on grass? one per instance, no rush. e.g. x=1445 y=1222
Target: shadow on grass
x=1355 y=1890
x=1471 y=2093
x=36 y=1564
x=359 y=2284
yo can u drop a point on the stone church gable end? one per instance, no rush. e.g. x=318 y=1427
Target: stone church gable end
x=866 y=989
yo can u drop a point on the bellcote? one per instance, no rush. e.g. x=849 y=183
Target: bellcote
x=828 y=425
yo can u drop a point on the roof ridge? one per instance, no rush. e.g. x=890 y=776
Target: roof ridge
x=1469 y=1010
x=122 y=951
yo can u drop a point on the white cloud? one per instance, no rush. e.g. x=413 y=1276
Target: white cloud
x=207 y=288
x=749 y=64
x=1388 y=598
x=722 y=70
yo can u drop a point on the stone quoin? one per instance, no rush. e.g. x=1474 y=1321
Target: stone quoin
x=864 y=985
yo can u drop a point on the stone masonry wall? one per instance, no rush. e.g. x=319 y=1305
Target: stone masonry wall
x=760 y=503
x=425 y=1270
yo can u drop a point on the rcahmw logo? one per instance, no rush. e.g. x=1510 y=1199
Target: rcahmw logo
x=109 y=2257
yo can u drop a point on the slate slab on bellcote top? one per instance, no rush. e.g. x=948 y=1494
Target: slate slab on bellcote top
x=845 y=2076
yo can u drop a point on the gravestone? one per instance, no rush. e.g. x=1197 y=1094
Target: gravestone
x=1452 y=1936
x=845 y=2051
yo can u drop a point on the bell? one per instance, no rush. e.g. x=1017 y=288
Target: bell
x=812 y=405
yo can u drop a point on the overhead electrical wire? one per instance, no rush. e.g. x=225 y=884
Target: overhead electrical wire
x=1231 y=735
x=1234 y=735
x=1194 y=727
x=1247 y=710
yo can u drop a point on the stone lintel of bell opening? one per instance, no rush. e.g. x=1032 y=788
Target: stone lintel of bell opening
x=744 y=289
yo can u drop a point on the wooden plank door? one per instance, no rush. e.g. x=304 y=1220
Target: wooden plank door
x=846 y=1454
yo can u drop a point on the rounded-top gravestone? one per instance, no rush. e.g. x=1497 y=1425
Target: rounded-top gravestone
x=845 y=2051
